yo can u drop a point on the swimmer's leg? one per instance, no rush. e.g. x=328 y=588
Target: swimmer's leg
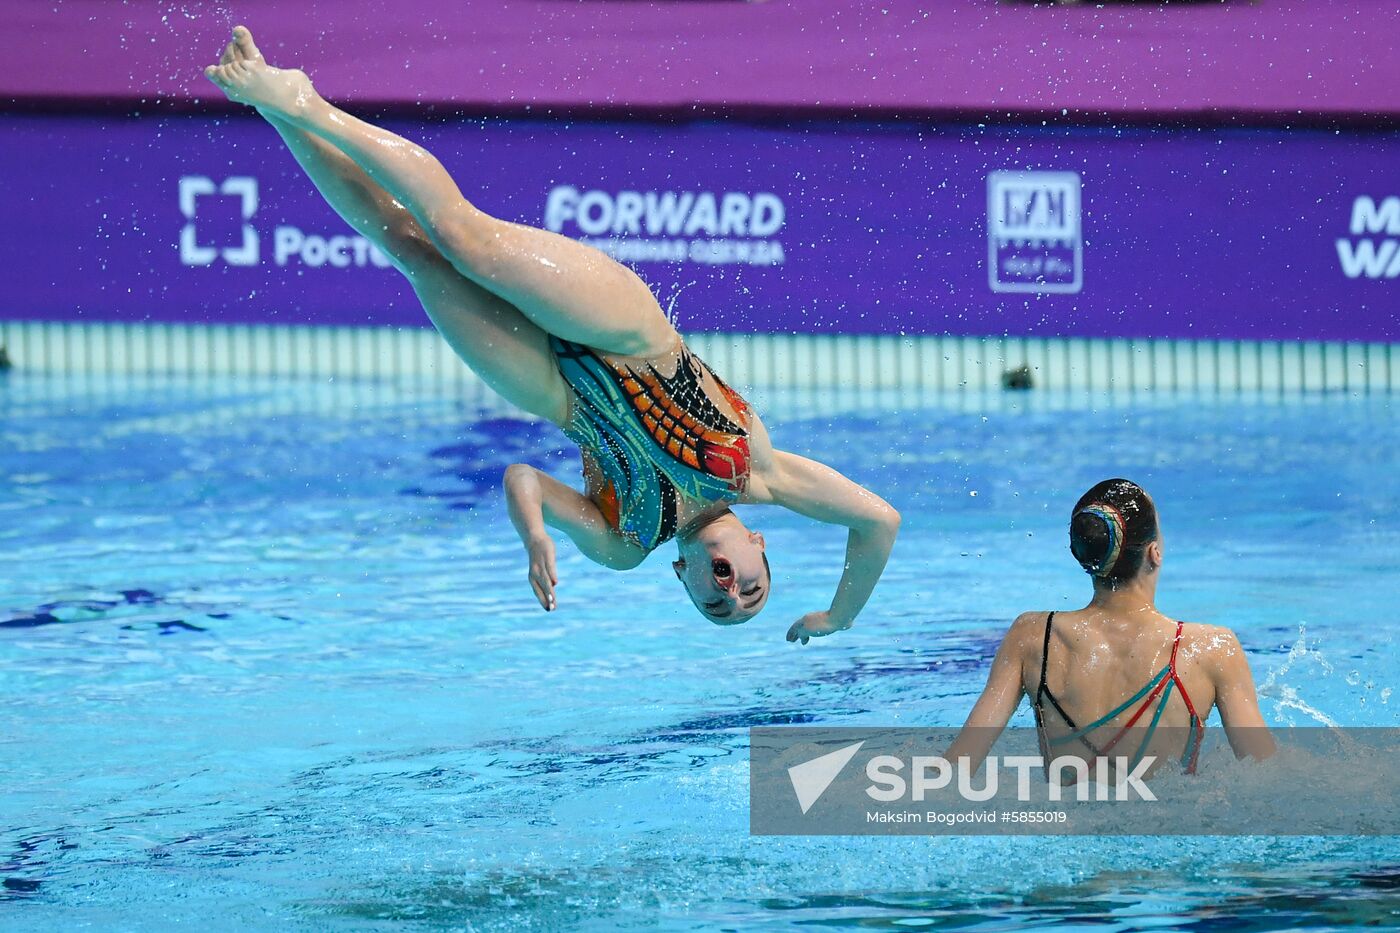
x=507 y=350
x=568 y=289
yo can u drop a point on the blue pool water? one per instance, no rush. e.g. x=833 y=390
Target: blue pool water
x=268 y=658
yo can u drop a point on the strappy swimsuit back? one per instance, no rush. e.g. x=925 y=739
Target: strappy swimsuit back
x=648 y=440
x=1158 y=690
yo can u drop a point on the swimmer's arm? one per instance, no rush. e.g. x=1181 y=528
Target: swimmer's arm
x=999 y=699
x=1236 y=698
x=817 y=491
x=535 y=500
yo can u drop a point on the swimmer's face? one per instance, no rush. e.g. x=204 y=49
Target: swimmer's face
x=723 y=570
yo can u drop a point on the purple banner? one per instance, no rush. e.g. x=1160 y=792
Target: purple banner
x=1268 y=57
x=854 y=229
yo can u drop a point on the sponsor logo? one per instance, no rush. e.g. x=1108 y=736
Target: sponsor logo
x=728 y=228
x=290 y=244
x=1034 y=232
x=192 y=187
x=1373 y=249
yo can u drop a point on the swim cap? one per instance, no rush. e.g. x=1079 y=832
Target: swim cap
x=1102 y=566
x=1110 y=529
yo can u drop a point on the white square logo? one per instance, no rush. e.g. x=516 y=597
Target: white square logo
x=192 y=187
x=1034 y=232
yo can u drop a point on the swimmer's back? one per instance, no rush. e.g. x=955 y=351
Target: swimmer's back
x=1093 y=662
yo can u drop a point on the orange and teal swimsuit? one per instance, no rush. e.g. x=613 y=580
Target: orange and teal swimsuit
x=650 y=440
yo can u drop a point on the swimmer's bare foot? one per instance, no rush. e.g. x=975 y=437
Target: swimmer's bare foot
x=244 y=76
x=240 y=47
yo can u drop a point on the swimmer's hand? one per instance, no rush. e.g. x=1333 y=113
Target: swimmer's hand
x=815 y=625
x=543 y=577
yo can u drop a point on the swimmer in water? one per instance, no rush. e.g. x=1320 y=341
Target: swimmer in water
x=564 y=332
x=1104 y=678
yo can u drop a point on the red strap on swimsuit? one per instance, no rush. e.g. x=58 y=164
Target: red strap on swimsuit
x=1159 y=686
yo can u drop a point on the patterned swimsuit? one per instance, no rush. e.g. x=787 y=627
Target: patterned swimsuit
x=650 y=440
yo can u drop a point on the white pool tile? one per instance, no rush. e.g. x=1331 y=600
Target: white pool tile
x=868 y=363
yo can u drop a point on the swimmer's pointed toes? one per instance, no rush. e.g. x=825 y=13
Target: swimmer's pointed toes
x=243 y=39
x=230 y=54
x=221 y=75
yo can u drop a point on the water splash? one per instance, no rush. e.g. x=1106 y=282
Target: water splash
x=670 y=310
x=1285 y=696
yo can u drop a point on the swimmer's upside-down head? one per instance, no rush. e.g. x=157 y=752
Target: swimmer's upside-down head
x=724 y=569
